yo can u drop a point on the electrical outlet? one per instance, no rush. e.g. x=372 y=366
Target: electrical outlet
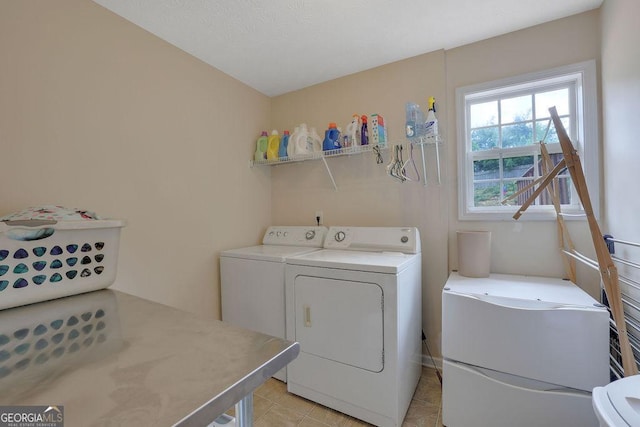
x=319 y=218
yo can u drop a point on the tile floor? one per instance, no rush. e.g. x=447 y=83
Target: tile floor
x=273 y=406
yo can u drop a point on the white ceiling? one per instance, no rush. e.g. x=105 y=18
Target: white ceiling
x=277 y=46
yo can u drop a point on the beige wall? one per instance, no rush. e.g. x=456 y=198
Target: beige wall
x=367 y=196
x=97 y=113
x=522 y=247
x=621 y=104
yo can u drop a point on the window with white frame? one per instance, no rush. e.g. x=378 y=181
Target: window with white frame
x=500 y=125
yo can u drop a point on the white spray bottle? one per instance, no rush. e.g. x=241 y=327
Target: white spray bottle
x=431 y=124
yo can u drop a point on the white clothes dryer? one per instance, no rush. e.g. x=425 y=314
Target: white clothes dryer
x=355 y=309
x=252 y=279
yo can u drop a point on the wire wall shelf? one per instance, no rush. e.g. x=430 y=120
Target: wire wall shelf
x=317 y=155
x=420 y=143
x=426 y=141
x=321 y=155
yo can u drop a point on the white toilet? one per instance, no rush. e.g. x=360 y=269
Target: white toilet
x=618 y=403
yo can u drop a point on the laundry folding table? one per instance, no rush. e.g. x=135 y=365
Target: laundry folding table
x=110 y=358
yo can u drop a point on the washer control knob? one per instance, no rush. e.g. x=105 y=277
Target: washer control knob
x=278 y=233
x=404 y=239
x=271 y=233
x=310 y=235
x=340 y=236
x=285 y=234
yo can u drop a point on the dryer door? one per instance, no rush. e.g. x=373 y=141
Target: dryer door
x=340 y=320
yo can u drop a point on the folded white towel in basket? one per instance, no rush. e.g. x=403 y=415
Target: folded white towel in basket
x=50 y=212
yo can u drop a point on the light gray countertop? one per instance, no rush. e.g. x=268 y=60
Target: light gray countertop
x=114 y=359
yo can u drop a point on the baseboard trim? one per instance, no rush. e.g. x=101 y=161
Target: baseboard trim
x=428 y=362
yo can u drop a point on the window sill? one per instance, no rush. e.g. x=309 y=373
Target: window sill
x=531 y=214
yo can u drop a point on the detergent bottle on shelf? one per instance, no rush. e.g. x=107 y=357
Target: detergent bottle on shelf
x=315 y=140
x=273 y=145
x=261 y=147
x=364 y=132
x=291 y=148
x=331 y=138
x=302 y=142
x=284 y=144
x=431 y=124
x=351 y=133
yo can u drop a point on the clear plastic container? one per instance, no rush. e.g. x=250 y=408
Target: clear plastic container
x=414 y=121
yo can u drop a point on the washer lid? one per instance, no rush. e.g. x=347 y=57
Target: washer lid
x=376 y=262
x=272 y=253
x=624 y=395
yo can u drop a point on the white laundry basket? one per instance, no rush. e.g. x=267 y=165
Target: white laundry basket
x=43 y=260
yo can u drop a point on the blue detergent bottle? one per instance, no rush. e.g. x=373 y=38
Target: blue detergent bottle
x=331 y=138
x=284 y=144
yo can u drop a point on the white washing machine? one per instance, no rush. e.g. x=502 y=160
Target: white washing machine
x=355 y=309
x=252 y=279
x=521 y=350
x=618 y=404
